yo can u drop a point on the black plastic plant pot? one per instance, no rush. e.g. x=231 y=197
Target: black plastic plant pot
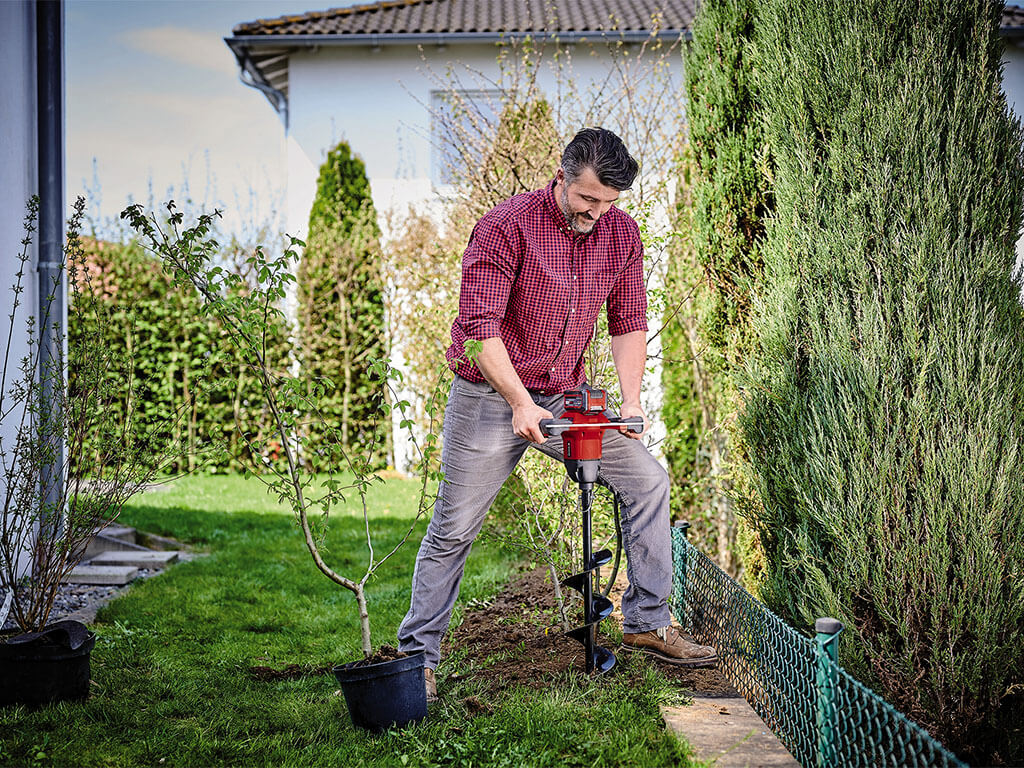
x=46 y=666
x=384 y=695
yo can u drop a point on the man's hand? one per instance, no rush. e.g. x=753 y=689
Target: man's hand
x=526 y=421
x=634 y=409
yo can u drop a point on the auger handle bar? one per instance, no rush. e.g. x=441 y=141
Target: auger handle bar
x=555 y=427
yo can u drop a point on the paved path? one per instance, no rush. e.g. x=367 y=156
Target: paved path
x=729 y=733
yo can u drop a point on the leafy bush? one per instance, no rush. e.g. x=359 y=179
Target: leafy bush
x=53 y=422
x=885 y=415
x=179 y=361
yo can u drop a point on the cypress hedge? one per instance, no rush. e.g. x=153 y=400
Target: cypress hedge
x=885 y=412
x=714 y=268
x=341 y=308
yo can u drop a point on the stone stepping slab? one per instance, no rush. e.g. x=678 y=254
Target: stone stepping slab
x=116 y=575
x=728 y=733
x=122 y=532
x=136 y=559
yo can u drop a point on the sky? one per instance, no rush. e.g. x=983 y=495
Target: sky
x=155 y=109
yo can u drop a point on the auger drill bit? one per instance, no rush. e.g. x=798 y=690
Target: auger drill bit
x=582 y=431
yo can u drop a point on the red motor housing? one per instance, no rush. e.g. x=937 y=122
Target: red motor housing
x=582 y=429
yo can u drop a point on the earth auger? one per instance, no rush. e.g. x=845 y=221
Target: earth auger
x=582 y=430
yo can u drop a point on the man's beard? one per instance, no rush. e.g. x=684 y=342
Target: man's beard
x=578 y=222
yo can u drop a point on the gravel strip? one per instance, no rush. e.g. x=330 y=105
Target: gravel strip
x=80 y=601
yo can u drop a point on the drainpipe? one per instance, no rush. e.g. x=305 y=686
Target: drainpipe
x=51 y=274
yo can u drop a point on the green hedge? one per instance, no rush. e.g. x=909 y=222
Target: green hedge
x=885 y=419
x=177 y=366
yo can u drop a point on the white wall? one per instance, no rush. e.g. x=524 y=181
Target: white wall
x=378 y=101
x=1013 y=87
x=18 y=180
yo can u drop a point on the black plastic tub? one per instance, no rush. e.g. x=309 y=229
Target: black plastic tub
x=384 y=695
x=47 y=666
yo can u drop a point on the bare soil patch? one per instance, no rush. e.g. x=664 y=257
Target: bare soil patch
x=515 y=639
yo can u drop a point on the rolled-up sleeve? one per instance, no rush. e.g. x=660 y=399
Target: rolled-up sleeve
x=489 y=267
x=627 y=302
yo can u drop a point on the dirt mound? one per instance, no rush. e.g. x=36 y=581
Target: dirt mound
x=515 y=639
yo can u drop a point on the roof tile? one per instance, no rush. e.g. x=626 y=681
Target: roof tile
x=496 y=16
x=450 y=16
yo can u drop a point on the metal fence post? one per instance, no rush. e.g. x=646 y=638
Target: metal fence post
x=679 y=564
x=827 y=637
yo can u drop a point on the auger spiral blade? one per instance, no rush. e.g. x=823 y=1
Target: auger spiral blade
x=601 y=608
x=601 y=557
x=604 y=659
x=595 y=608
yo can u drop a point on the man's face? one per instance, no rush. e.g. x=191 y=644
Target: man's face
x=584 y=200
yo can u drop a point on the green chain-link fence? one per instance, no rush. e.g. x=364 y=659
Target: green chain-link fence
x=822 y=715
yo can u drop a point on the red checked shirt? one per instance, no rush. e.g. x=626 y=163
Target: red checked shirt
x=529 y=279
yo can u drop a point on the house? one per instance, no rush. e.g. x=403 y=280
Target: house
x=363 y=74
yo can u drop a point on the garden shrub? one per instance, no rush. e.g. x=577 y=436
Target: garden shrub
x=341 y=307
x=721 y=206
x=885 y=412
x=178 y=363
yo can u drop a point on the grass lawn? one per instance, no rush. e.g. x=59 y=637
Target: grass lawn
x=170 y=669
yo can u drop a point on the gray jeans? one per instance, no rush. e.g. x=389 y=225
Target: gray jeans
x=480 y=451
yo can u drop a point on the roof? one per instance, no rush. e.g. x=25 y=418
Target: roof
x=1012 y=25
x=262 y=47
x=480 y=17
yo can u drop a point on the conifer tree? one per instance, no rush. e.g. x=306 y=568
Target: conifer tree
x=341 y=311
x=716 y=266
x=885 y=416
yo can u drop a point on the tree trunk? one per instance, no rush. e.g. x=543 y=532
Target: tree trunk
x=346 y=358
x=364 y=619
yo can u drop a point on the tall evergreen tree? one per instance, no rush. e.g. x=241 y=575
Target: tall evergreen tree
x=715 y=266
x=341 y=310
x=885 y=417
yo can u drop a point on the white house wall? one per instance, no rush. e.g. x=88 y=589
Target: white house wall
x=18 y=179
x=377 y=102
x=1013 y=87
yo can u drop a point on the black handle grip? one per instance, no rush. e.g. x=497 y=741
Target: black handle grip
x=634 y=424
x=551 y=427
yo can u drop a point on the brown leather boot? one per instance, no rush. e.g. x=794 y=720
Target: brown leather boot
x=431 y=683
x=669 y=645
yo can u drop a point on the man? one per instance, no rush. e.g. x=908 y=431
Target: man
x=536 y=272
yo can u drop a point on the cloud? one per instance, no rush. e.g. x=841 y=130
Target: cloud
x=184 y=46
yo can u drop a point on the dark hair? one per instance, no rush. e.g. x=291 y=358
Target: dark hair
x=605 y=154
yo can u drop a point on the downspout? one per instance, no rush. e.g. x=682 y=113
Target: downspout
x=52 y=306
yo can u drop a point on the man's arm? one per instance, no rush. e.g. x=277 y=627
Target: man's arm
x=629 y=353
x=494 y=363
